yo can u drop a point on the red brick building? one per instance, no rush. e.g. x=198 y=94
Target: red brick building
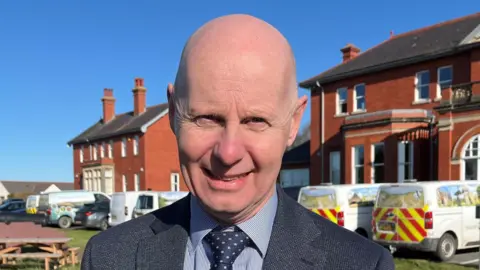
x=130 y=151
x=408 y=108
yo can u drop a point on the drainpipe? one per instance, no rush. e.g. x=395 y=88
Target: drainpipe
x=430 y=126
x=322 y=133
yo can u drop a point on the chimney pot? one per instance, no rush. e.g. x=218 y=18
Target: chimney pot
x=108 y=92
x=138 y=82
x=349 y=52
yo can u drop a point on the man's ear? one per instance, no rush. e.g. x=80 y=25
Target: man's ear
x=297 y=118
x=171 y=106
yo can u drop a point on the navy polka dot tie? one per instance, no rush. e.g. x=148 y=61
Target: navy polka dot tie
x=226 y=247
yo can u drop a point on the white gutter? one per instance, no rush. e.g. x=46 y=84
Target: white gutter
x=322 y=133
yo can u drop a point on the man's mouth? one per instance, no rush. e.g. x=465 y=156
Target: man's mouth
x=226 y=178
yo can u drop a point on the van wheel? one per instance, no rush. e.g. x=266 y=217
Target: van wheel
x=447 y=247
x=65 y=222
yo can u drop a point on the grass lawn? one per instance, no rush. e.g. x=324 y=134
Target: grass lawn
x=80 y=238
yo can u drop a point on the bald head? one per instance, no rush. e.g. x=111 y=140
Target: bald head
x=236 y=42
x=234 y=110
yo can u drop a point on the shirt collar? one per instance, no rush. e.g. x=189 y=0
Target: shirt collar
x=258 y=228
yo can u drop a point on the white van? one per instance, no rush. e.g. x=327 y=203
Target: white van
x=32 y=204
x=122 y=205
x=433 y=216
x=132 y=204
x=346 y=205
x=61 y=206
x=152 y=201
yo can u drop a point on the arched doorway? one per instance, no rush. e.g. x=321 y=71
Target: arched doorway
x=470 y=167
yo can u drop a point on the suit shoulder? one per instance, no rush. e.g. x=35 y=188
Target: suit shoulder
x=136 y=229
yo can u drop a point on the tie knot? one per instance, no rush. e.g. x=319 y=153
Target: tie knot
x=226 y=246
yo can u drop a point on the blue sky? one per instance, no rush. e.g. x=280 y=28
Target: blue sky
x=57 y=56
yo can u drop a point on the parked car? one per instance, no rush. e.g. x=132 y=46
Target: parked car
x=13 y=206
x=12 y=217
x=93 y=215
x=11 y=200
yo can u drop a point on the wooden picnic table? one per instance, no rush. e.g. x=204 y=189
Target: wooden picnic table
x=54 y=248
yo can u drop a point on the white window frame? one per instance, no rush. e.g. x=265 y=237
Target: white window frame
x=332 y=173
x=136 y=178
x=372 y=160
x=95 y=146
x=401 y=161
x=355 y=166
x=340 y=102
x=136 y=143
x=418 y=86
x=357 y=97
x=174 y=181
x=469 y=147
x=124 y=147
x=110 y=149
x=102 y=150
x=90 y=149
x=81 y=154
x=124 y=183
x=439 y=81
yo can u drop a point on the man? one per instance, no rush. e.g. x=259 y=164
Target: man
x=234 y=110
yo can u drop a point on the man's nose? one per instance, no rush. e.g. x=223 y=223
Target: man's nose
x=230 y=149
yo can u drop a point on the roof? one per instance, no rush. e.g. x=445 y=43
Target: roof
x=33 y=187
x=427 y=43
x=298 y=155
x=122 y=124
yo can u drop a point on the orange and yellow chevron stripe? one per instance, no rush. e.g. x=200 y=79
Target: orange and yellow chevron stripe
x=409 y=223
x=330 y=214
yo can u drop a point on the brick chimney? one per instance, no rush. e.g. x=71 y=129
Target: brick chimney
x=139 y=99
x=108 y=105
x=349 y=52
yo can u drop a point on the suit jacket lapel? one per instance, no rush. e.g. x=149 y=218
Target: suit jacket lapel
x=166 y=249
x=296 y=241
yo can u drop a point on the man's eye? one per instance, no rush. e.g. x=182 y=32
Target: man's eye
x=207 y=120
x=256 y=123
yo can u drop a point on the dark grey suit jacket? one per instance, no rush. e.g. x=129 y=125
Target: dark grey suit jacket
x=300 y=240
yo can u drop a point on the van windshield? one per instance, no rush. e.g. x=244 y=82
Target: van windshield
x=31 y=202
x=318 y=198
x=401 y=197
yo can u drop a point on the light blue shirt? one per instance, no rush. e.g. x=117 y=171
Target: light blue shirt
x=198 y=255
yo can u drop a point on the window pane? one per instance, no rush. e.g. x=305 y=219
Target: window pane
x=445 y=74
x=423 y=78
x=408 y=149
x=360 y=90
x=378 y=174
x=343 y=108
x=342 y=94
x=361 y=103
x=423 y=92
x=359 y=155
x=359 y=175
x=407 y=171
x=378 y=153
x=471 y=169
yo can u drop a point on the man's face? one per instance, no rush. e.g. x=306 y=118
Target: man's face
x=233 y=129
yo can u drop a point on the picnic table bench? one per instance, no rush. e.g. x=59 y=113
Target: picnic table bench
x=54 y=250
x=46 y=256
